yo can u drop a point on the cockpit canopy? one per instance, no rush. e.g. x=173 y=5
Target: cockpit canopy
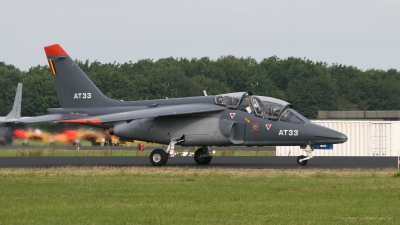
x=265 y=107
x=268 y=107
x=230 y=100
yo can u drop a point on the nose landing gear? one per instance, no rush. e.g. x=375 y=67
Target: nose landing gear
x=303 y=159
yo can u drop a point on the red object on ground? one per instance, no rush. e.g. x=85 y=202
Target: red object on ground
x=141 y=147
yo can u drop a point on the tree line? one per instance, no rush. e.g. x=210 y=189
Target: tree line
x=310 y=86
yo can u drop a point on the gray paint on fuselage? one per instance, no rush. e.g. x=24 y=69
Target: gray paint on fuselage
x=198 y=129
x=217 y=129
x=279 y=132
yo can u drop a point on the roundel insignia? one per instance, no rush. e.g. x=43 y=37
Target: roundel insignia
x=232 y=115
x=268 y=126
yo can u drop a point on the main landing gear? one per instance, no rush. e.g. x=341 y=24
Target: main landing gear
x=159 y=157
x=303 y=159
x=203 y=155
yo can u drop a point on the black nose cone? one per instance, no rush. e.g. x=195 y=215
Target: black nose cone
x=326 y=135
x=342 y=137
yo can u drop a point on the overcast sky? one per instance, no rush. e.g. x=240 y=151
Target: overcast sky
x=361 y=33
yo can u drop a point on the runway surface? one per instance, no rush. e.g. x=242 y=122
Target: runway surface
x=178 y=148
x=251 y=162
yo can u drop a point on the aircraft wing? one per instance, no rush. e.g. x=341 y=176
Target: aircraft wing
x=148 y=113
x=50 y=117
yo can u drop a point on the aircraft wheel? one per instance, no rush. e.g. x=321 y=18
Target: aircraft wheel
x=158 y=157
x=303 y=163
x=200 y=159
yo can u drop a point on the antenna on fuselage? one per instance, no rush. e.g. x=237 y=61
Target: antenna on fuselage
x=166 y=87
x=205 y=93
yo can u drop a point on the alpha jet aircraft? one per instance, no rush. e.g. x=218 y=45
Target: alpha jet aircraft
x=239 y=118
x=7 y=125
x=15 y=113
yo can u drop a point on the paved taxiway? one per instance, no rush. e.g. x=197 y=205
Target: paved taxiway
x=102 y=148
x=252 y=162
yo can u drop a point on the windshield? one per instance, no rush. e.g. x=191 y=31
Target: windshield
x=230 y=100
x=290 y=116
x=268 y=107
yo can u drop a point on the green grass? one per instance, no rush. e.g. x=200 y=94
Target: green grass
x=147 y=195
x=110 y=152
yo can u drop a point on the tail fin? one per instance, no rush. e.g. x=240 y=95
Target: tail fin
x=74 y=88
x=15 y=113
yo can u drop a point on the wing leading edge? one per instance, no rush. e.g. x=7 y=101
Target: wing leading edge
x=51 y=117
x=148 y=113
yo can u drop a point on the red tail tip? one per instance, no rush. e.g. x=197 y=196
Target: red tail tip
x=54 y=50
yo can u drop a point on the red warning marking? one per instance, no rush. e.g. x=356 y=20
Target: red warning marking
x=54 y=50
x=268 y=126
x=81 y=121
x=232 y=115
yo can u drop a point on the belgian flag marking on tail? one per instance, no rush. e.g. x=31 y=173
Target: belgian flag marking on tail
x=52 y=68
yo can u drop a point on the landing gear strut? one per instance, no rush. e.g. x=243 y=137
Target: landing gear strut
x=203 y=155
x=303 y=159
x=159 y=157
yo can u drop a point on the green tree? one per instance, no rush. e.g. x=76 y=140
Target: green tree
x=39 y=92
x=9 y=78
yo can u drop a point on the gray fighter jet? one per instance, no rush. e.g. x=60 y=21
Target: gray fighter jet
x=239 y=118
x=15 y=113
x=7 y=123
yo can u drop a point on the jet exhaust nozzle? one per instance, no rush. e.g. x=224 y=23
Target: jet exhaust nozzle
x=111 y=131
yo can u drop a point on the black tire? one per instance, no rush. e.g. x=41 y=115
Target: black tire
x=303 y=163
x=200 y=159
x=158 y=157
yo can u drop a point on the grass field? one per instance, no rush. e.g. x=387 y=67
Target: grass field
x=147 y=195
